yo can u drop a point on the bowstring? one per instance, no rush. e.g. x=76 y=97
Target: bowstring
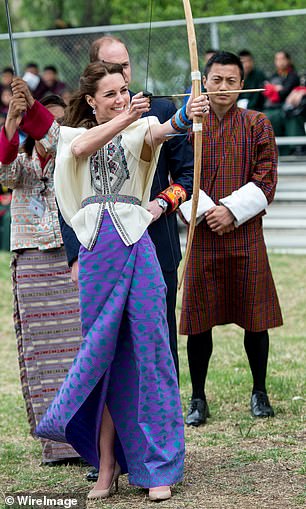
x=150 y=9
x=10 y=33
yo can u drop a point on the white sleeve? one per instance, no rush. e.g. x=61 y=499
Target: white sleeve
x=245 y=203
x=205 y=203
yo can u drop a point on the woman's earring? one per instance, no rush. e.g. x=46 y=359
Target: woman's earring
x=93 y=111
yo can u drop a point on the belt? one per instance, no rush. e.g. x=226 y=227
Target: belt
x=111 y=198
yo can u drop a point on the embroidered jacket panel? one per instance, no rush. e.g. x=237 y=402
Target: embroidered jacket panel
x=116 y=169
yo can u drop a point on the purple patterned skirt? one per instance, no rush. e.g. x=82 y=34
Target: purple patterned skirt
x=124 y=361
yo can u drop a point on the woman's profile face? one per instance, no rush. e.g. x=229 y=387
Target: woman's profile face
x=111 y=99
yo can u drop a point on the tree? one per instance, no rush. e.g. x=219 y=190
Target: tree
x=134 y=11
x=38 y=15
x=64 y=13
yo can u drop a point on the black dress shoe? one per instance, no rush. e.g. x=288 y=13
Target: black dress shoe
x=77 y=461
x=92 y=475
x=260 y=405
x=197 y=413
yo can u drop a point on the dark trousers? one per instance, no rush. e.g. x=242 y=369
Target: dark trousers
x=171 y=283
x=199 y=350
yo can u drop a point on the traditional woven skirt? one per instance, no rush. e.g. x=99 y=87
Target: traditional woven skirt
x=48 y=330
x=125 y=362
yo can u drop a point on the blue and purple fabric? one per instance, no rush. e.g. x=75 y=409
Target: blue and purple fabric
x=124 y=362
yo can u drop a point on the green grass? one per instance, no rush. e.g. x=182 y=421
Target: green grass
x=232 y=462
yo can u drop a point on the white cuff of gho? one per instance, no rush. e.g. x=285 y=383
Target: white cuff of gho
x=205 y=203
x=245 y=203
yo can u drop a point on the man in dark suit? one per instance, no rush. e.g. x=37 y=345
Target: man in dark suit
x=171 y=186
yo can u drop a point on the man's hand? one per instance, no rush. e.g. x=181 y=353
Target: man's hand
x=227 y=229
x=155 y=209
x=75 y=273
x=220 y=219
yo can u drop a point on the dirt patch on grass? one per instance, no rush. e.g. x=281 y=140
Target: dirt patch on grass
x=251 y=473
x=222 y=478
x=227 y=479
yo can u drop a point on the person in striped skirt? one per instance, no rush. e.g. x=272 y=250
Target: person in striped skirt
x=46 y=301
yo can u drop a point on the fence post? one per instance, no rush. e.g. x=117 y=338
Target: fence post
x=17 y=70
x=214 y=35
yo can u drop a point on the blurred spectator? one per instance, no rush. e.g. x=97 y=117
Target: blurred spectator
x=282 y=82
x=253 y=78
x=208 y=54
x=5 y=217
x=6 y=79
x=50 y=78
x=66 y=95
x=295 y=103
x=7 y=75
x=295 y=111
x=5 y=97
x=35 y=82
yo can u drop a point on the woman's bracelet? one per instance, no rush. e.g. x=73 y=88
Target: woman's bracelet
x=179 y=121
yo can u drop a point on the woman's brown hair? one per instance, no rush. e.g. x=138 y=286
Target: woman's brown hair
x=78 y=113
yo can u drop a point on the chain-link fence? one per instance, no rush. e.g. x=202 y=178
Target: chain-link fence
x=160 y=57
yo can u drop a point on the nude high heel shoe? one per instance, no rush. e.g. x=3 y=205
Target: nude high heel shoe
x=94 y=493
x=163 y=493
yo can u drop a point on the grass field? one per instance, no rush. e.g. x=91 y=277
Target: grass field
x=233 y=461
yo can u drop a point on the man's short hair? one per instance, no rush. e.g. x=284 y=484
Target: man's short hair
x=50 y=68
x=224 y=58
x=53 y=99
x=97 y=43
x=210 y=50
x=9 y=70
x=245 y=53
x=32 y=64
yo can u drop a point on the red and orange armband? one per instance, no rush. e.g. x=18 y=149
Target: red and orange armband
x=175 y=195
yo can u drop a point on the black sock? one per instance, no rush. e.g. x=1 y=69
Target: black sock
x=199 y=350
x=256 y=345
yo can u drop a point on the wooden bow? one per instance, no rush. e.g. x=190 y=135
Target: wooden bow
x=197 y=130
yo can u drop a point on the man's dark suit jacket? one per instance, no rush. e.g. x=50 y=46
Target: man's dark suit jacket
x=175 y=162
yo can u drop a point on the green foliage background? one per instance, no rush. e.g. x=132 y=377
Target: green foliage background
x=46 y=14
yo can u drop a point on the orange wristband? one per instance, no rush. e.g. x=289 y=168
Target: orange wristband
x=175 y=195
